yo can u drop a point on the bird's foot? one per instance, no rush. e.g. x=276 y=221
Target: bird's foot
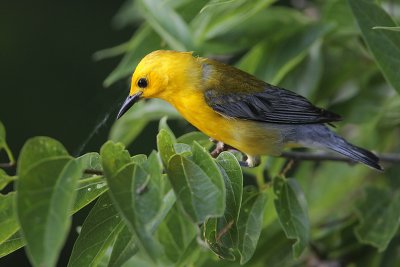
x=251 y=161
x=219 y=148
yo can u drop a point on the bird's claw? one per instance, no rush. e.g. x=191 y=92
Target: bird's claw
x=219 y=148
x=251 y=161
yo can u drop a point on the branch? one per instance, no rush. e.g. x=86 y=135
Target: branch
x=93 y=171
x=8 y=165
x=296 y=155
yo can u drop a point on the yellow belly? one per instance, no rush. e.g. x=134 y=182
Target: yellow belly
x=250 y=137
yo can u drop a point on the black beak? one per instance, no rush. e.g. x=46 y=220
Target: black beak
x=129 y=102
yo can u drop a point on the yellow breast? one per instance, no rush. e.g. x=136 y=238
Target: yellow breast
x=249 y=137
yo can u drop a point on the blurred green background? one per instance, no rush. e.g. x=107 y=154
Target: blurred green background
x=50 y=85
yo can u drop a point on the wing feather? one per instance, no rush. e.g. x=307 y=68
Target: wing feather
x=272 y=104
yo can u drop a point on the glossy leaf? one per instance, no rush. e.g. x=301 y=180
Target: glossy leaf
x=90 y=161
x=175 y=234
x=290 y=205
x=13 y=243
x=4 y=179
x=124 y=248
x=129 y=126
x=114 y=157
x=221 y=233
x=46 y=192
x=98 y=233
x=92 y=186
x=195 y=190
x=379 y=216
x=135 y=195
x=204 y=160
x=8 y=221
x=199 y=137
x=36 y=150
x=250 y=222
x=125 y=245
x=163 y=125
x=88 y=190
x=165 y=146
x=168 y=24
x=384 y=44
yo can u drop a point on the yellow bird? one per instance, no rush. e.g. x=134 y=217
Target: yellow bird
x=237 y=109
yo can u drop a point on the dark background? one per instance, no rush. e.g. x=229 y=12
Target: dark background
x=51 y=86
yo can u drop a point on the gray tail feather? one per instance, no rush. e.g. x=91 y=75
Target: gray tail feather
x=355 y=153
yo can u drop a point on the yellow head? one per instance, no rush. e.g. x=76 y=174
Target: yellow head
x=159 y=74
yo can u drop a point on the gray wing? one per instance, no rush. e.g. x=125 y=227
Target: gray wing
x=273 y=105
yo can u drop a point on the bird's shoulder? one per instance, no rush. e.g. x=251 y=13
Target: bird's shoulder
x=237 y=94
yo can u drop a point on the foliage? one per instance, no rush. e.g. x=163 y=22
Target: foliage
x=179 y=206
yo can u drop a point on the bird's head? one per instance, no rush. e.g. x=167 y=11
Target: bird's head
x=159 y=75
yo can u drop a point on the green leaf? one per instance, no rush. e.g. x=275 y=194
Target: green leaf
x=3 y=145
x=4 y=179
x=204 y=160
x=135 y=194
x=39 y=149
x=129 y=126
x=221 y=233
x=395 y=29
x=11 y=244
x=196 y=192
x=199 y=137
x=168 y=24
x=284 y=55
x=224 y=18
x=98 y=233
x=46 y=192
x=142 y=42
x=114 y=157
x=175 y=234
x=290 y=205
x=2 y=135
x=90 y=161
x=163 y=125
x=139 y=159
x=92 y=186
x=379 y=216
x=88 y=190
x=123 y=249
x=125 y=245
x=384 y=45
x=8 y=221
x=250 y=222
x=183 y=149
x=165 y=146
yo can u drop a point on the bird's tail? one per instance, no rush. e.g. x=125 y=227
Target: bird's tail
x=356 y=153
x=322 y=136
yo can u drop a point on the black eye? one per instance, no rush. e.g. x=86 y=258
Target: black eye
x=142 y=83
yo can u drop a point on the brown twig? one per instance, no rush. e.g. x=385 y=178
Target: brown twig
x=92 y=171
x=296 y=155
x=7 y=165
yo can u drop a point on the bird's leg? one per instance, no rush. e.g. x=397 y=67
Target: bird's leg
x=219 y=148
x=251 y=161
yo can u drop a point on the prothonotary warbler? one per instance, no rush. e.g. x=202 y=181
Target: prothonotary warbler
x=237 y=109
